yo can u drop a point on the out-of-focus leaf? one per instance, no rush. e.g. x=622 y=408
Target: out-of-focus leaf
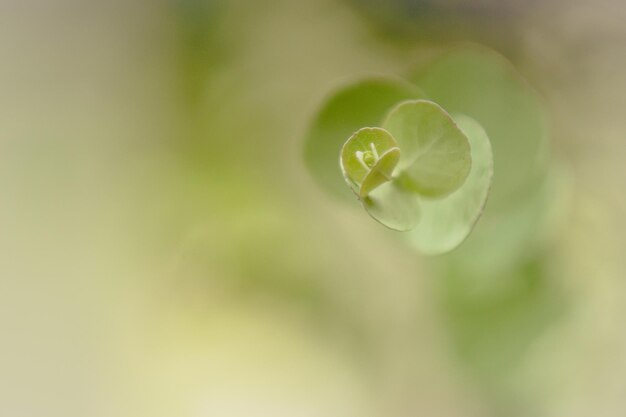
x=357 y=105
x=435 y=158
x=368 y=159
x=445 y=223
x=481 y=84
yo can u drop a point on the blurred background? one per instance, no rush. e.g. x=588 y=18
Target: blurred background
x=164 y=252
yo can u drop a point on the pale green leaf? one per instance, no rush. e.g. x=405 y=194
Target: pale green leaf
x=445 y=223
x=368 y=159
x=436 y=156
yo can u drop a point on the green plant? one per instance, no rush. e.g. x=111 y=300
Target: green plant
x=420 y=160
x=412 y=165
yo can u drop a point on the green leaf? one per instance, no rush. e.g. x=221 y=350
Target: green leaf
x=368 y=159
x=482 y=84
x=435 y=152
x=393 y=206
x=445 y=223
x=363 y=103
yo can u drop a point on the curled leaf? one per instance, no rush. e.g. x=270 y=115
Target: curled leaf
x=368 y=159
